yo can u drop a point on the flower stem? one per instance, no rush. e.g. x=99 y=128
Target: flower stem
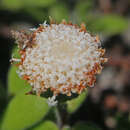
x=58 y=117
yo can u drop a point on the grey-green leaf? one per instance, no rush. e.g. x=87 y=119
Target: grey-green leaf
x=74 y=104
x=23 y=111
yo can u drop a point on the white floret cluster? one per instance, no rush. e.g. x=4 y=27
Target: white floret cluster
x=61 y=57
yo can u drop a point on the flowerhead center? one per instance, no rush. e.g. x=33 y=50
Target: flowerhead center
x=63 y=50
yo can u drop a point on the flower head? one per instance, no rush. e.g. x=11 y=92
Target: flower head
x=61 y=57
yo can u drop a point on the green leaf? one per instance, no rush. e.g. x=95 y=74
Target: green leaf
x=74 y=104
x=46 y=125
x=59 y=12
x=82 y=8
x=12 y=4
x=85 y=126
x=15 y=84
x=3 y=95
x=2 y=102
x=110 y=24
x=122 y=122
x=36 y=14
x=38 y=3
x=0 y=123
x=2 y=92
x=23 y=111
x=15 y=52
x=66 y=127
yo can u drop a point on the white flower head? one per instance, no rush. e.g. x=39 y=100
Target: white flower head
x=61 y=57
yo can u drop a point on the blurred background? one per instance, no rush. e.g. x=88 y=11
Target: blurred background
x=108 y=103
